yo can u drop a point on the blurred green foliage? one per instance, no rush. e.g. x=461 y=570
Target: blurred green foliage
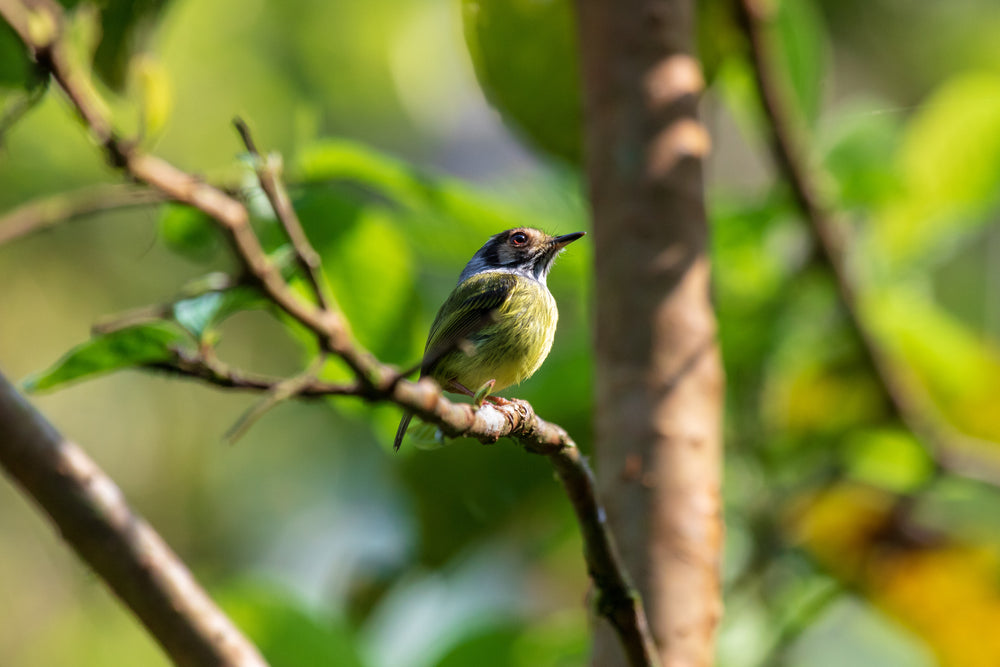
x=846 y=543
x=508 y=41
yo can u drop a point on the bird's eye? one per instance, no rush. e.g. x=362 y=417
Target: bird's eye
x=518 y=239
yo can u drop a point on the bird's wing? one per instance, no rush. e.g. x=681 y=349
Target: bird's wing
x=469 y=309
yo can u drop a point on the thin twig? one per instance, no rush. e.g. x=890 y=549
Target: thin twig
x=131 y=318
x=268 y=174
x=376 y=381
x=916 y=415
x=210 y=370
x=279 y=393
x=19 y=108
x=41 y=214
x=91 y=514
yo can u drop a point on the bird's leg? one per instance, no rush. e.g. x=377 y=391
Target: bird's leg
x=480 y=395
x=459 y=388
x=483 y=393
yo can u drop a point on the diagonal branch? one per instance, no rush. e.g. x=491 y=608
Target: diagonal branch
x=38 y=24
x=945 y=446
x=267 y=169
x=134 y=561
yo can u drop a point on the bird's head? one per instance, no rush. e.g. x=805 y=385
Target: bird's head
x=523 y=250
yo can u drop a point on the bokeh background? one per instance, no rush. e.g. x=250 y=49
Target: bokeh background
x=411 y=130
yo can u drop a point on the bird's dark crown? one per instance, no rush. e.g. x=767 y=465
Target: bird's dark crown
x=523 y=250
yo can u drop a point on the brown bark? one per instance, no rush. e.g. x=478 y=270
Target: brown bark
x=659 y=378
x=93 y=517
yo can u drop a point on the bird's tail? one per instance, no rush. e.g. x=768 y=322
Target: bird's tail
x=401 y=431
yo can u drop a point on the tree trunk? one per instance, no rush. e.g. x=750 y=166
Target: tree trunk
x=659 y=378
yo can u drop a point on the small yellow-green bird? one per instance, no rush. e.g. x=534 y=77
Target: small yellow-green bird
x=497 y=326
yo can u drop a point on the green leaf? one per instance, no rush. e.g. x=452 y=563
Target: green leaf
x=803 y=47
x=560 y=640
x=526 y=60
x=16 y=70
x=492 y=648
x=759 y=244
x=286 y=632
x=188 y=232
x=201 y=313
x=955 y=367
x=133 y=346
x=949 y=166
x=125 y=30
x=398 y=185
x=892 y=459
x=371 y=271
x=858 y=141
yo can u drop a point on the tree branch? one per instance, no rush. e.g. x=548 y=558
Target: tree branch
x=659 y=379
x=208 y=369
x=134 y=561
x=919 y=416
x=375 y=381
x=268 y=174
x=41 y=214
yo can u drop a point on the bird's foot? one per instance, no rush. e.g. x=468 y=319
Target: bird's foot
x=500 y=400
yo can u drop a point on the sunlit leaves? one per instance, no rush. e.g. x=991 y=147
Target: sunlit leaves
x=154 y=90
x=947 y=595
x=948 y=164
x=837 y=525
x=133 y=346
x=892 y=459
x=955 y=367
x=942 y=589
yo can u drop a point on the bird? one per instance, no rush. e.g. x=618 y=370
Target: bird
x=496 y=327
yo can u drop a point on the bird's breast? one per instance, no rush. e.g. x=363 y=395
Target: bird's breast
x=512 y=348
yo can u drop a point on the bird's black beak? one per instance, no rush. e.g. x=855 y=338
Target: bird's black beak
x=560 y=242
